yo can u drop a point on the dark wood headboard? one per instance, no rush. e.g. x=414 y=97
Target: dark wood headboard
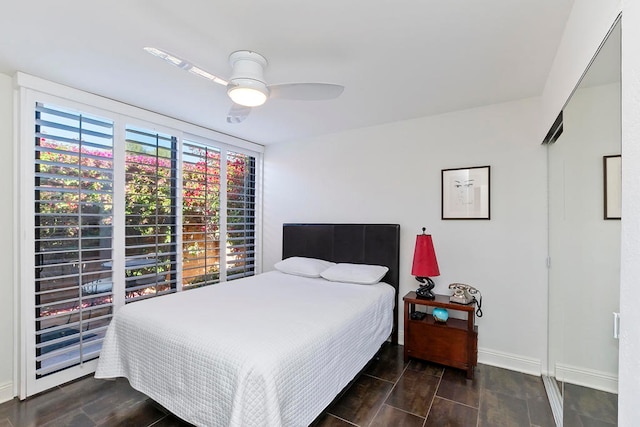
x=377 y=244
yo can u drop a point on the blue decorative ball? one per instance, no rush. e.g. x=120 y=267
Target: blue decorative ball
x=440 y=314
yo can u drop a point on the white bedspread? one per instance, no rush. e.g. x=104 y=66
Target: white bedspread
x=269 y=350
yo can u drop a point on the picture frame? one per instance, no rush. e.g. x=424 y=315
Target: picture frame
x=466 y=193
x=612 y=172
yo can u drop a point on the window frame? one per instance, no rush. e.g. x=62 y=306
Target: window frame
x=30 y=90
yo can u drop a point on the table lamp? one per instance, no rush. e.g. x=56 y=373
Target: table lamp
x=425 y=265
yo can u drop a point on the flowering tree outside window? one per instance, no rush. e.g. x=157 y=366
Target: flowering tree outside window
x=148 y=188
x=200 y=215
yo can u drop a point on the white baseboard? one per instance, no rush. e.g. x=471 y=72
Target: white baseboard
x=587 y=377
x=509 y=361
x=6 y=392
x=513 y=362
x=584 y=377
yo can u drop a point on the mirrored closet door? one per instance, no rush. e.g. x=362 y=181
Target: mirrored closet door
x=584 y=246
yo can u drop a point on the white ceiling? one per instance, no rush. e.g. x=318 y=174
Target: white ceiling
x=398 y=59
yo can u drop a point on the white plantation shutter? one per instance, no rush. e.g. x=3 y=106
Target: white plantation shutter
x=200 y=215
x=112 y=213
x=150 y=213
x=241 y=215
x=73 y=236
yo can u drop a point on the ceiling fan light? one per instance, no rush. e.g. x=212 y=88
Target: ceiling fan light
x=248 y=92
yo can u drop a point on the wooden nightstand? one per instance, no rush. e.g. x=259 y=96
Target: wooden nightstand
x=454 y=343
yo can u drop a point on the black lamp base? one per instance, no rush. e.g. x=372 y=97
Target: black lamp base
x=424 y=291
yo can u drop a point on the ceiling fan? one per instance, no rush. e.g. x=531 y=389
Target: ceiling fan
x=247 y=87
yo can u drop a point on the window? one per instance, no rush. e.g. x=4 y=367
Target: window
x=73 y=227
x=200 y=215
x=241 y=212
x=150 y=213
x=118 y=204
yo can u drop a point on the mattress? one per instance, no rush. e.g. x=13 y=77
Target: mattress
x=268 y=350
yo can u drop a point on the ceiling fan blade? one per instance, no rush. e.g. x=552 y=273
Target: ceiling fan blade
x=184 y=65
x=237 y=113
x=306 y=91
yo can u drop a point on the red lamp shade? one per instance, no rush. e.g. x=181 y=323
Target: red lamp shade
x=425 y=263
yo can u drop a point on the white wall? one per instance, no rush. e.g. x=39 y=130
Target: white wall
x=391 y=174
x=6 y=239
x=586 y=28
x=584 y=248
x=629 y=385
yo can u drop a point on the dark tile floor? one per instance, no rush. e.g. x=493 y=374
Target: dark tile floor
x=390 y=392
x=394 y=393
x=585 y=407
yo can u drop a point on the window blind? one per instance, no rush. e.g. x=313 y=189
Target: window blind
x=159 y=192
x=200 y=215
x=241 y=208
x=73 y=236
x=150 y=213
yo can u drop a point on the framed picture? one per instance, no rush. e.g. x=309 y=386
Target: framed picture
x=466 y=193
x=612 y=187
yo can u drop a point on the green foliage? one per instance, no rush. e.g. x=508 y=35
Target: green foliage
x=75 y=181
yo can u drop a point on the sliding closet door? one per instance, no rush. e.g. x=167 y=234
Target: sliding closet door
x=584 y=244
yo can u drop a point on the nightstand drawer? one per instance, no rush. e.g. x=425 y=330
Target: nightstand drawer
x=438 y=343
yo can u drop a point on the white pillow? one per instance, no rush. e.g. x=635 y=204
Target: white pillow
x=362 y=274
x=301 y=266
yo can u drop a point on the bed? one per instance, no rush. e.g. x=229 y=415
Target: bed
x=269 y=350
